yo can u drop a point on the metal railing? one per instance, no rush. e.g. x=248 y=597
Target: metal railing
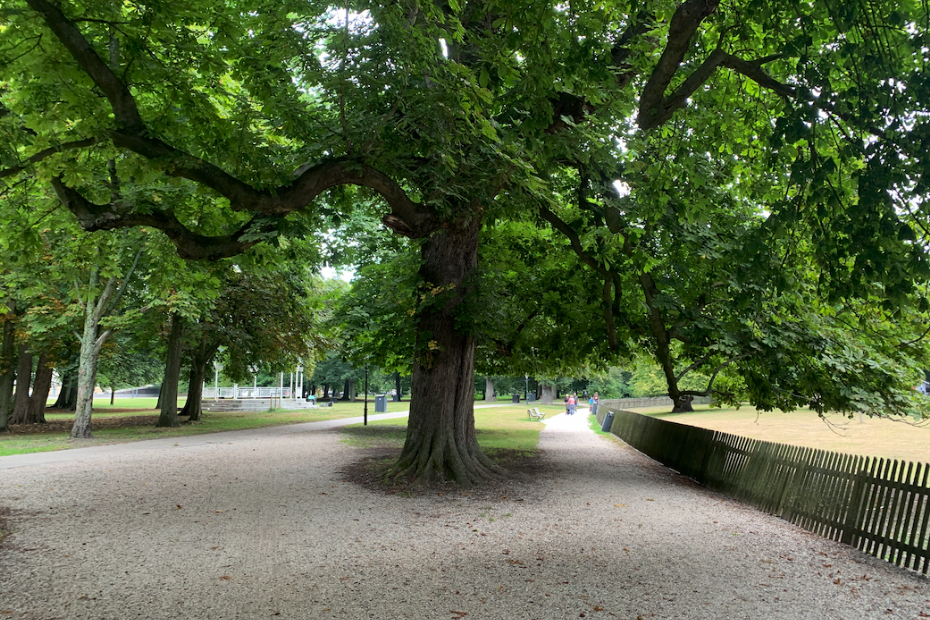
x=243 y=392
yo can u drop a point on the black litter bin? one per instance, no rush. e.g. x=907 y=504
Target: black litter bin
x=531 y=397
x=380 y=404
x=608 y=421
x=516 y=398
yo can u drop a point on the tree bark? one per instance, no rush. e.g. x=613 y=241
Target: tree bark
x=67 y=398
x=87 y=377
x=441 y=444
x=682 y=404
x=40 y=389
x=200 y=358
x=547 y=394
x=348 y=392
x=23 y=382
x=169 y=387
x=193 y=406
x=7 y=373
x=488 y=389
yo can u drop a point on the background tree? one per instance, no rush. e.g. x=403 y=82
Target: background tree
x=457 y=115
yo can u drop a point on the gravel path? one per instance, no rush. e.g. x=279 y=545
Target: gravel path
x=259 y=524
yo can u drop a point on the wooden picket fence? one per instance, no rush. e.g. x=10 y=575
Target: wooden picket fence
x=881 y=506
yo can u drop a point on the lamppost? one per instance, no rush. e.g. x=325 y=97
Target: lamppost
x=526 y=389
x=254 y=370
x=217 y=367
x=365 y=423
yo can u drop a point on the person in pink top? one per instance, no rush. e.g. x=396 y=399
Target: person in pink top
x=572 y=402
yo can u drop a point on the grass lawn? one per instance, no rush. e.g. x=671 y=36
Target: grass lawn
x=498 y=429
x=138 y=424
x=873 y=437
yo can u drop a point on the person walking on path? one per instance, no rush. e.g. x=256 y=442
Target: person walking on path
x=572 y=403
x=594 y=401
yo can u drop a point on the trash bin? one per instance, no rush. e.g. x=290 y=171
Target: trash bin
x=531 y=397
x=395 y=398
x=608 y=421
x=516 y=398
x=380 y=404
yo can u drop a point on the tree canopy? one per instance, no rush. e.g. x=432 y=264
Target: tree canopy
x=773 y=160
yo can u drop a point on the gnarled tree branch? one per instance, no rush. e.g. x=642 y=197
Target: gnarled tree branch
x=189 y=244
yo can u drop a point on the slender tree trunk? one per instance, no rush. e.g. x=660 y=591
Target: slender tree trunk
x=87 y=375
x=40 y=389
x=7 y=372
x=169 y=387
x=488 y=388
x=112 y=394
x=23 y=383
x=441 y=444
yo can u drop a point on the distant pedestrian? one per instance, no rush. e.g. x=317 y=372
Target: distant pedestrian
x=594 y=401
x=572 y=402
x=568 y=410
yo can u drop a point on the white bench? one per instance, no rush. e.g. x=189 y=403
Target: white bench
x=536 y=414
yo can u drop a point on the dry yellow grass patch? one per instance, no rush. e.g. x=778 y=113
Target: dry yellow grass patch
x=873 y=437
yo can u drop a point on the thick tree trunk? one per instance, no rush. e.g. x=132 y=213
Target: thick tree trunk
x=7 y=373
x=547 y=394
x=200 y=359
x=325 y=391
x=397 y=388
x=169 y=387
x=348 y=390
x=488 y=388
x=40 y=389
x=23 y=382
x=683 y=404
x=193 y=406
x=441 y=444
x=67 y=398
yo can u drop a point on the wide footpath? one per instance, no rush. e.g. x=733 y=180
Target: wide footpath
x=260 y=524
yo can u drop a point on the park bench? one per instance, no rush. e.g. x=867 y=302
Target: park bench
x=536 y=414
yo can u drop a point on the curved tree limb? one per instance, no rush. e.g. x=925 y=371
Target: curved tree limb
x=46 y=153
x=189 y=244
x=684 y=23
x=406 y=217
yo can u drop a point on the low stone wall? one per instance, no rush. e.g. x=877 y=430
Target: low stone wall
x=634 y=403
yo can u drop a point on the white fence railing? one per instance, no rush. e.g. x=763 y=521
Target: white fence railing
x=242 y=392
